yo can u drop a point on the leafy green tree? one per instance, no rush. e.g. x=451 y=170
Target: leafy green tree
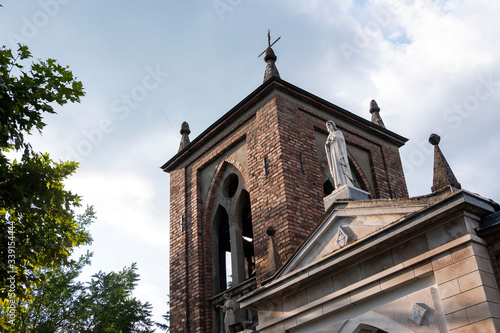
x=105 y=304
x=38 y=225
x=112 y=308
x=52 y=301
x=39 y=229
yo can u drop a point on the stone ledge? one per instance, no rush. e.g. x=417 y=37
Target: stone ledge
x=490 y=325
x=345 y=192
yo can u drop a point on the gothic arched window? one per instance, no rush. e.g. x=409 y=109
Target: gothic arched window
x=232 y=232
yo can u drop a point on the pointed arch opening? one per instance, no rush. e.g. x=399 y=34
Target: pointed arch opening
x=358 y=178
x=364 y=328
x=233 y=257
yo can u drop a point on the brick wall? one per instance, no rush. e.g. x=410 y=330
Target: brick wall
x=178 y=286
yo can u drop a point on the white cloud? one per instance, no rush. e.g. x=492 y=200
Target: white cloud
x=419 y=60
x=125 y=200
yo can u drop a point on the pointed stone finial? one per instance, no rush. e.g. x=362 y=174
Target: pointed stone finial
x=273 y=257
x=185 y=131
x=375 y=111
x=270 y=59
x=271 y=69
x=443 y=175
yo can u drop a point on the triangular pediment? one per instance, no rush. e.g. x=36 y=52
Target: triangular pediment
x=345 y=225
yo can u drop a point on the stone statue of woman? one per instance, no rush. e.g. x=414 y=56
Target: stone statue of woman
x=229 y=308
x=336 y=154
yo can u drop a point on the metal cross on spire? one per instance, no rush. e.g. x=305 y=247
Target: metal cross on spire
x=269 y=42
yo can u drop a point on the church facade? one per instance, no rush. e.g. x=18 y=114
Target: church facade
x=404 y=265
x=255 y=218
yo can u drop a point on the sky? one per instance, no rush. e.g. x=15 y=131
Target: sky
x=432 y=67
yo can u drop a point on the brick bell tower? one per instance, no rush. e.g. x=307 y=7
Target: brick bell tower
x=249 y=190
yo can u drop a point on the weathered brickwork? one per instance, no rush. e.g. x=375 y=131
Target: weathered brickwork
x=288 y=198
x=191 y=277
x=178 y=286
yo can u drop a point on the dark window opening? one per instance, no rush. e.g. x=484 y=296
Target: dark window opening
x=230 y=185
x=363 y=328
x=328 y=187
x=224 y=247
x=247 y=228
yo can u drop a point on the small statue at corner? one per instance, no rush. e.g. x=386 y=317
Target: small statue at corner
x=229 y=308
x=336 y=154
